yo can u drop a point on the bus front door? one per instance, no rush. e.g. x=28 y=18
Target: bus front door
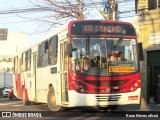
x=63 y=73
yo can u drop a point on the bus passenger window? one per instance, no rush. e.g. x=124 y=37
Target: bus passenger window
x=23 y=62
x=16 y=64
x=46 y=54
x=52 y=51
x=65 y=58
x=43 y=54
x=28 y=60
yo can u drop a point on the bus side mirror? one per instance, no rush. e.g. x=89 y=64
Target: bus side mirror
x=69 y=49
x=140 y=48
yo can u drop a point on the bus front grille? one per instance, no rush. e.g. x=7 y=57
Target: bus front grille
x=112 y=83
x=105 y=98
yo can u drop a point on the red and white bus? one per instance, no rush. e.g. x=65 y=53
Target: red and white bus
x=73 y=67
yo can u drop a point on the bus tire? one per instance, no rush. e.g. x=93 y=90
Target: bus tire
x=10 y=98
x=51 y=100
x=25 y=102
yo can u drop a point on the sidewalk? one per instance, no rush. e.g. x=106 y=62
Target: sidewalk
x=149 y=107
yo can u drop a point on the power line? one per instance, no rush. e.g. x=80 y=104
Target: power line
x=44 y=9
x=128 y=16
x=13 y=11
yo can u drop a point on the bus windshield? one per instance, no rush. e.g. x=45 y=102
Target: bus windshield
x=104 y=56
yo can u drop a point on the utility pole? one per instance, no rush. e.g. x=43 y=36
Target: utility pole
x=114 y=10
x=102 y=12
x=111 y=8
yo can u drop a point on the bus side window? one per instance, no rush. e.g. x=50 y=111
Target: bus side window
x=42 y=49
x=43 y=54
x=65 y=57
x=28 y=60
x=19 y=66
x=15 y=64
x=23 y=62
x=53 y=46
x=46 y=54
x=26 y=55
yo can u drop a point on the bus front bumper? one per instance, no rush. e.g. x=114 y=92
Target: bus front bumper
x=78 y=99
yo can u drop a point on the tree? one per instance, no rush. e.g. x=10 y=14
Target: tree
x=62 y=10
x=53 y=13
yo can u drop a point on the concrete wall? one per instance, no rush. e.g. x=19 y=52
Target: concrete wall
x=149 y=23
x=15 y=42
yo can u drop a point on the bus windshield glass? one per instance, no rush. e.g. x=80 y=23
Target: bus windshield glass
x=104 y=56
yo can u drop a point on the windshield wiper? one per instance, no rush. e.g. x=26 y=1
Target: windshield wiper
x=117 y=44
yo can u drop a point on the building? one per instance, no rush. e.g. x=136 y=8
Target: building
x=13 y=42
x=149 y=35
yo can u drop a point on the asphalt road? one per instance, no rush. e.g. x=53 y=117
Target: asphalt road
x=16 y=105
x=16 y=110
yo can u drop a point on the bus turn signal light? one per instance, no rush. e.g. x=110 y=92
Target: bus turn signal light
x=135 y=86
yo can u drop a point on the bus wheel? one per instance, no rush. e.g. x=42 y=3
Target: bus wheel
x=10 y=98
x=51 y=100
x=25 y=102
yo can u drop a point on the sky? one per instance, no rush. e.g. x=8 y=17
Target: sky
x=16 y=22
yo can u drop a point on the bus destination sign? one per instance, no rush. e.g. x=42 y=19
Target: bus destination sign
x=96 y=28
x=103 y=29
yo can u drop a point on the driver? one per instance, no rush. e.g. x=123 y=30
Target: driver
x=115 y=56
x=95 y=58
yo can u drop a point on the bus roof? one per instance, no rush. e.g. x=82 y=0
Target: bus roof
x=108 y=21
